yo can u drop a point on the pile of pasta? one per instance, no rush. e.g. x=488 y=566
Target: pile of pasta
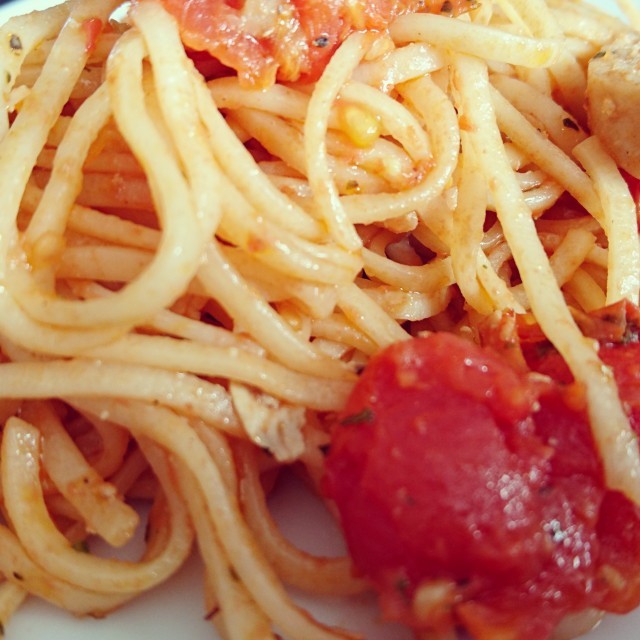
x=194 y=272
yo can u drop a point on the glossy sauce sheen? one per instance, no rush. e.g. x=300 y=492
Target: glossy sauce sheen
x=470 y=492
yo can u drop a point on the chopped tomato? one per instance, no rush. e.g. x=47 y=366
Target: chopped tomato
x=624 y=359
x=93 y=29
x=617 y=330
x=634 y=187
x=290 y=39
x=471 y=494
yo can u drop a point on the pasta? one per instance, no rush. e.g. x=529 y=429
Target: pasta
x=194 y=272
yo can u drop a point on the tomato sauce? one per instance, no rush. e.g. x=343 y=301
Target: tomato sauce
x=289 y=40
x=471 y=494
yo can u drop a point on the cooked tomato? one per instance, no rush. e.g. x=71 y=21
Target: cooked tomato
x=290 y=39
x=634 y=187
x=93 y=29
x=617 y=330
x=471 y=495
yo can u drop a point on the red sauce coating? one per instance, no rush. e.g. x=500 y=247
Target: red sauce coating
x=452 y=469
x=294 y=39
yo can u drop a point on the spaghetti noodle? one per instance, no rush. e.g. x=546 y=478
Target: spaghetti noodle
x=194 y=271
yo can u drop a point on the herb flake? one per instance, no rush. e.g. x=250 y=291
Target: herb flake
x=570 y=124
x=364 y=416
x=15 y=43
x=81 y=546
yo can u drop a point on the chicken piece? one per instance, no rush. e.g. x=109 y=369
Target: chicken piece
x=613 y=100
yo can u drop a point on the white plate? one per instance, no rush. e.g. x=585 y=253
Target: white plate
x=176 y=610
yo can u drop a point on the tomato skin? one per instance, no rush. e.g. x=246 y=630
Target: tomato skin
x=448 y=464
x=294 y=44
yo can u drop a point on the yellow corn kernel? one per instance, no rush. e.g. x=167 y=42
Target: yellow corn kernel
x=359 y=124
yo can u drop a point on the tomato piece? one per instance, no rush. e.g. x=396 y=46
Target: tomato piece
x=634 y=187
x=458 y=474
x=93 y=29
x=624 y=359
x=445 y=480
x=291 y=39
x=617 y=329
x=618 y=580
